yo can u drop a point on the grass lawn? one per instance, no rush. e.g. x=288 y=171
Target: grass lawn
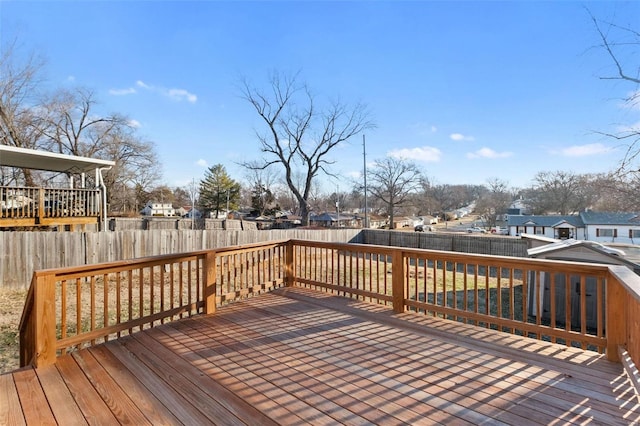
x=11 y=304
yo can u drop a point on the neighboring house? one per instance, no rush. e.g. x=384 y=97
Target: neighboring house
x=377 y=222
x=333 y=220
x=612 y=227
x=402 y=222
x=191 y=213
x=432 y=220
x=158 y=209
x=518 y=207
x=552 y=226
x=604 y=227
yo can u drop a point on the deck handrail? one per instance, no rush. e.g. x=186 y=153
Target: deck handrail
x=68 y=308
x=611 y=286
x=473 y=288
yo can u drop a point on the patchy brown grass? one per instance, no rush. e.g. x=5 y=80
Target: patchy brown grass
x=11 y=304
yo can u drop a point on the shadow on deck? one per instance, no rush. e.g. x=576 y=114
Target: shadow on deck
x=295 y=356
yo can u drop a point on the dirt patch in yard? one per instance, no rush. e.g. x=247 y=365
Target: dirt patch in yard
x=11 y=304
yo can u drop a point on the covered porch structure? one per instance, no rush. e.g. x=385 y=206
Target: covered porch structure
x=70 y=206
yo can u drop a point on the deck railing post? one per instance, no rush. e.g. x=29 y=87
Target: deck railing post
x=45 y=321
x=209 y=282
x=289 y=271
x=41 y=212
x=397 y=281
x=616 y=315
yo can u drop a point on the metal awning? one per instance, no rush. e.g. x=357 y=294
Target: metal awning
x=42 y=160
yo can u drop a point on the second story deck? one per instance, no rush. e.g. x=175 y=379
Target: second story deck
x=75 y=204
x=331 y=334
x=41 y=207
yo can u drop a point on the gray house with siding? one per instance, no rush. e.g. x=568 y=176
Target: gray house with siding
x=603 y=227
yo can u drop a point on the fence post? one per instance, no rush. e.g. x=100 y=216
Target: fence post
x=209 y=282
x=397 y=281
x=289 y=272
x=45 y=321
x=616 y=314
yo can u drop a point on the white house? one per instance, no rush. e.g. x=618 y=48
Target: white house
x=603 y=227
x=612 y=227
x=158 y=209
x=551 y=226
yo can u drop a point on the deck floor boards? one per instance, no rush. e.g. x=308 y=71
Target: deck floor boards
x=298 y=357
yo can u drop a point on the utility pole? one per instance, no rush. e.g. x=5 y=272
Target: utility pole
x=227 y=203
x=366 y=207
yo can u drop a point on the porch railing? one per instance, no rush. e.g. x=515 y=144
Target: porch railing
x=592 y=306
x=28 y=205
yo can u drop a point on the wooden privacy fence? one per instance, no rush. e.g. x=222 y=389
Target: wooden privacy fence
x=448 y=241
x=22 y=253
x=72 y=307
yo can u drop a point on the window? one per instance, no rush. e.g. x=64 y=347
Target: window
x=606 y=232
x=634 y=233
x=539 y=230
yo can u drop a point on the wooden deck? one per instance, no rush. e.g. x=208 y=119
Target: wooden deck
x=296 y=357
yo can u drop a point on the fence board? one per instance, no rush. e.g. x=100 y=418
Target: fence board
x=24 y=252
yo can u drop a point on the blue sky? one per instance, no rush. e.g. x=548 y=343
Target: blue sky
x=469 y=90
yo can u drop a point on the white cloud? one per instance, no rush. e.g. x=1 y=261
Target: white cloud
x=427 y=154
x=173 y=93
x=71 y=78
x=180 y=94
x=202 y=163
x=122 y=92
x=461 y=137
x=135 y=124
x=488 y=153
x=423 y=129
x=583 y=150
x=354 y=175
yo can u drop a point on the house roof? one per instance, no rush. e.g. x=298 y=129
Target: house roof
x=12 y=156
x=330 y=217
x=559 y=246
x=548 y=221
x=610 y=218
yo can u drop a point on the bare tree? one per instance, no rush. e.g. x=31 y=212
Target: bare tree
x=621 y=44
x=136 y=172
x=261 y=188
x=393 y=180
x=73 y=127
x=495 y=201
x=19 y=123
x=300 y=135
x=560 y=192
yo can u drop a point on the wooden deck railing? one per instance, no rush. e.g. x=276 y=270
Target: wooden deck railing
x=587 y=305
x=592 y=306
x=70 y=308
x=27 y=206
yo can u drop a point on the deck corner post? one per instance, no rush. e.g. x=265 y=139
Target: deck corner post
x=209 y=282
x=45 y=321
x=616 y=314
x=289 y=272
x=397 y=281
x=41 y=212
